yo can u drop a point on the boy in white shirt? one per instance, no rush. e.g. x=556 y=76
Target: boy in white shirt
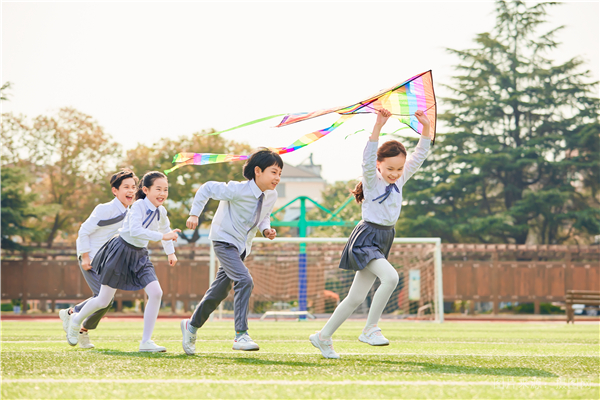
x=245 y=207
x=101 y=225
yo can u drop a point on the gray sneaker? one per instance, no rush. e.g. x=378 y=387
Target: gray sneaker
x=188 y=340
x=326 y=346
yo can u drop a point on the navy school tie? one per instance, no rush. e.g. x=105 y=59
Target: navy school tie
x=257 y=212
x=150 y=217
x=388 y=191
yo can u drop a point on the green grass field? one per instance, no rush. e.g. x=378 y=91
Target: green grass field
x=424 y=360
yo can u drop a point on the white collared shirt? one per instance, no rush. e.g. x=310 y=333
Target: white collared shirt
x=91 y=236
x=388 y=212
x=236 y=212
x=135 y=234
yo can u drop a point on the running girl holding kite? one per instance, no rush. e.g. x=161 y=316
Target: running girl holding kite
x=385 y=171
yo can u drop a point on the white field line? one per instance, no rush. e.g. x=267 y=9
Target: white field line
x=457 y=355
x=336 y=341
x=200 y=353
x=498 y=383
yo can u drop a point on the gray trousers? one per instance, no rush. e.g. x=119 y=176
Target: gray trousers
x=231 y=271
x=93 y=281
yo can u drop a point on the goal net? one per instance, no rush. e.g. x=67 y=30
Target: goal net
x=301 y=277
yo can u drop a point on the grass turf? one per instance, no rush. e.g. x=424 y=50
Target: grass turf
x=424 y=360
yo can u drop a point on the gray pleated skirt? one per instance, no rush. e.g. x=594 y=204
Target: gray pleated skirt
x=121 y=265
x=368 y=241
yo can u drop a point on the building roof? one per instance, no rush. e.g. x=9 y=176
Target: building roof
x=290 y=171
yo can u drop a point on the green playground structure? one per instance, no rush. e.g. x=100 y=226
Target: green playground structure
x=302 y=224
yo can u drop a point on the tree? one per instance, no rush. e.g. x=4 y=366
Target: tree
x=520 y=162
x=69 y=154
x=17 y=200
x=184 y=182
x=17 y=197
x=3 y=89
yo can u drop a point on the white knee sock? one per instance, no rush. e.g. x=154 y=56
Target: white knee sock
x=99 y=302
x=363 y=280
x=388 y=276
x=154 y=293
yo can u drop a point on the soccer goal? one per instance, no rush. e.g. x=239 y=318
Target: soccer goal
x=299 y=277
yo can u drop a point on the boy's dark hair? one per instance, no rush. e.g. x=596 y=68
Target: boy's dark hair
x=119 y=177
x=262 y=158
x=147 y=181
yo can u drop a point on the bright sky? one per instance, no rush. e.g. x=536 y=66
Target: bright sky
x=148 y=70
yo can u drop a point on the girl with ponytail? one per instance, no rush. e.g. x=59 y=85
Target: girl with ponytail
x=385 y=170
x=390 y=149
x=123 y=262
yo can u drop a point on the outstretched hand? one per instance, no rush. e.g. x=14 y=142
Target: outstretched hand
x=173 y=235
x=382 y=117
x=422 y=118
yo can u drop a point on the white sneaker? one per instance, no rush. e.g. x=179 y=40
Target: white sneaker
x=84 y=341
x=326 y=346
x=244 y=342
x=65 y=318
x=151 y=347
x=188 y=340
x=72 y=332
x=374 y=337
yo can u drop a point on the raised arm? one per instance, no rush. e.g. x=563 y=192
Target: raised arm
x=416 y=159
x=369 y=164
x=426 y=124
x=382 y=117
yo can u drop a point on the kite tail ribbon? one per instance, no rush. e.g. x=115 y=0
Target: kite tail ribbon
x=256 y=121
x=182 y=159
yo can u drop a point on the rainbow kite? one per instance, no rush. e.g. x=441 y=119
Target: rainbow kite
x=401 y=100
